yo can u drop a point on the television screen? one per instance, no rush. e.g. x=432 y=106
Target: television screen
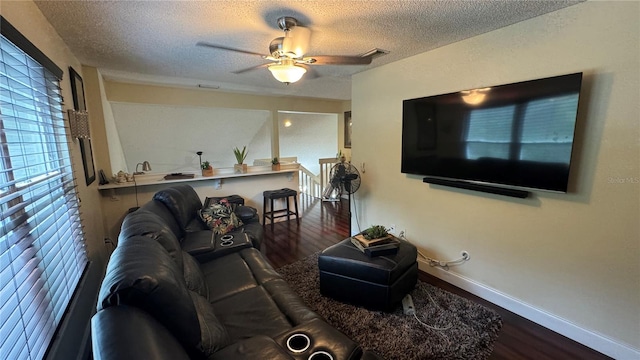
x=514 y=135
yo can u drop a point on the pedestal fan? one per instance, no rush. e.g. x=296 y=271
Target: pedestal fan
x=343 y=178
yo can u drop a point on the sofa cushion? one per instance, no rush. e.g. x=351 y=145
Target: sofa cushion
x=220 y=217
x=183 y=202
x=193 y=276
x=213 y=336
x=141 y=273
x=258 y=314
x=236 y=272
x=145 y=223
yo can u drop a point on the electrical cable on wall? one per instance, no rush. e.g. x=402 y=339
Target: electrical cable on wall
x=445 y=264
x=438 y=263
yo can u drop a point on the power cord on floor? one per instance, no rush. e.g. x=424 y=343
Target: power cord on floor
x=438 y=263
x=411 y=311
x=355 y=212
x=429 y=326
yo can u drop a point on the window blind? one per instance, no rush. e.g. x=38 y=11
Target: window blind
x=489 y=132
x=543 y=140
x=42 y=254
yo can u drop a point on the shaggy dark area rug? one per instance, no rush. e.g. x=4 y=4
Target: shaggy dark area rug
x=454 y=327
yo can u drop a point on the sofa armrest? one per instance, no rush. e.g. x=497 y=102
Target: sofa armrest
x=255 y=231
x=126 y=332
x=323 y=338
x=257 y=347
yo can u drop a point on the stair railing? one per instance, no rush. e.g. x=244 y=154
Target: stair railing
x=309 y=182
x=325 y=170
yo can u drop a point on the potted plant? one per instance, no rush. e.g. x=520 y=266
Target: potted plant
x=374 y=235
x=207 y=169
x=240 y=167
x=275 y=164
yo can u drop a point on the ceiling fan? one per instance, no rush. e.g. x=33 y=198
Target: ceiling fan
x=288 y=53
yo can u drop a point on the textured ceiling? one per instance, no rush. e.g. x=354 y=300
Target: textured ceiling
x=155 y=41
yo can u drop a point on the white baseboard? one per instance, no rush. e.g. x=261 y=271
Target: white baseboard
x=562 y=326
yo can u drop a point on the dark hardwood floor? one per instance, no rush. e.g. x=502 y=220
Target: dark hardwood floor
x=326 y=223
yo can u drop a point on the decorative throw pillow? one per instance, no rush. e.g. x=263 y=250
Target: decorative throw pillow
x=220 y=217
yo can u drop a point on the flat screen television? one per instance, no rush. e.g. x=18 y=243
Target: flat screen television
x=517 y=135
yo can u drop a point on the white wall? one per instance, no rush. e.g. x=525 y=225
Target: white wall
x=311 y=136
x=116 y=154
x=169 y=136
x=569 y=261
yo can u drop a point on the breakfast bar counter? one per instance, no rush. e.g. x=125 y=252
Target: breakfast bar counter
x=220 y=174
x=117 y=199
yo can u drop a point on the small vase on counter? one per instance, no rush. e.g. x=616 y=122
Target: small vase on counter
x=240 y=168
x=275 y=164
x=207 y=169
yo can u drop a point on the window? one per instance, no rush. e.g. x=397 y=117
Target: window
x=42 y=255
x=541 y=139
x=489 y=132
x=523 y=131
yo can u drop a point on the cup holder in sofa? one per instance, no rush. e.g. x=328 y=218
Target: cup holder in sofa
x=298 y=343
x=226 y=240
x=316 y=340
x=320 y=355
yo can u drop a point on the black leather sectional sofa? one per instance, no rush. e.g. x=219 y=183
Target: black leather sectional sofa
x=164 y=297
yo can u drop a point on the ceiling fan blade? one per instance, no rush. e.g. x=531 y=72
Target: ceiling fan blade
x=250 y=68
x=221 y=47
x=340 y=60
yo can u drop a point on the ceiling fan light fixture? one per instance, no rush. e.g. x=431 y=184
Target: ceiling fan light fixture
x=475 y=96
x=300 y=37
x=287 y=72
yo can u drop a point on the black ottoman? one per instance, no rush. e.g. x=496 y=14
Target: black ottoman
x=376 y=283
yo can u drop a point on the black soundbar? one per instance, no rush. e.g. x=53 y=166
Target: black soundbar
x=477 y=187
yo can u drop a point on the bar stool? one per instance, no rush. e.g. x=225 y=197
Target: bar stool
x=272 y=214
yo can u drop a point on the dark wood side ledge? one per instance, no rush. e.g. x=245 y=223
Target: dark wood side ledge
x=324 y=224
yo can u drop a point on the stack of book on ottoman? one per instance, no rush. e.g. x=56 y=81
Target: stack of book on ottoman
x=384 y=245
